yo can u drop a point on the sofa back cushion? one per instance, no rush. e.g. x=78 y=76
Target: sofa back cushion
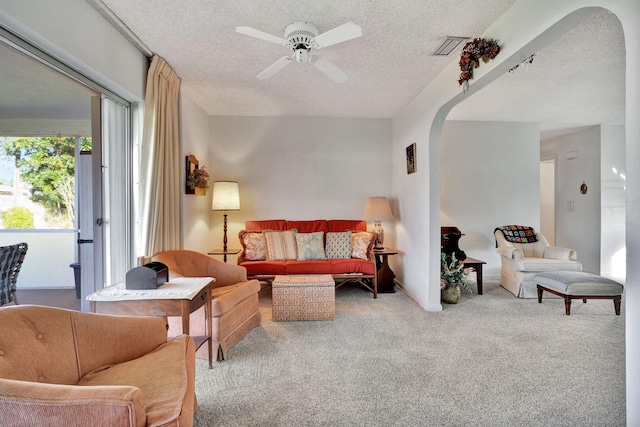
x=37 y=344
x=269 y=224
x=346 y=225
x=308 y=226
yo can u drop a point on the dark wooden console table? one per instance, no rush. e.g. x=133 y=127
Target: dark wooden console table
x=386 y=276
x=476 y=264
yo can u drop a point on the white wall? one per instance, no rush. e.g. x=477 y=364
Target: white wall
x=579 y=228
x=195 y=140
x=548 y=199
x=613 y=209
x=46 y=264
x=489 y=178
x=299 y=168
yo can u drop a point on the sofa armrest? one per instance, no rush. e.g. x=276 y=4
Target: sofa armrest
x=510 y=252
x=556 y=252
x=225 y=274
x=31 y=403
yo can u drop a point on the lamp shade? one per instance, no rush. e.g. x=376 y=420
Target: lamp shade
x=226 y=196
x=377 y=210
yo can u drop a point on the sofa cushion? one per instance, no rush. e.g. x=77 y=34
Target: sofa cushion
x=309 y=267
x=308 y=226
x=361 y=244
x=338 y=245
x=281 y=245
x=254 y=245
x=310 y=246
x=346 y=225
x=269 y=224
x=352 y=265
x=163 y=388
x=547 y=264
x=264 y=267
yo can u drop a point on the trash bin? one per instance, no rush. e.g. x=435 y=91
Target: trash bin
x=76 y=275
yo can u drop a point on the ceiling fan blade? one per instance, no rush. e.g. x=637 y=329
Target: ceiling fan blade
x=335 y=73
x=252 y=32
x=339 y=34
x=275 y=67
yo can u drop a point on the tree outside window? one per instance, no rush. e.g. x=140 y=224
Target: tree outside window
x=43 y=180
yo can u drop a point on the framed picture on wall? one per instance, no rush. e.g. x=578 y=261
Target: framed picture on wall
x=411 y=158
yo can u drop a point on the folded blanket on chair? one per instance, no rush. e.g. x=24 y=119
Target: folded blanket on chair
x=518 y=234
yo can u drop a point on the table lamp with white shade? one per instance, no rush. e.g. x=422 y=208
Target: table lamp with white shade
x=378 y=210
x=226 y=197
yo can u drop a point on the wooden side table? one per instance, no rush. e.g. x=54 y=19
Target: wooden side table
x=476 y=264
x=179 y=297
x=223 y=252
x=386 y=276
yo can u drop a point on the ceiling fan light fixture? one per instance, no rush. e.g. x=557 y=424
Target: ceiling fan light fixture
x=301 y=38
x=302 y=55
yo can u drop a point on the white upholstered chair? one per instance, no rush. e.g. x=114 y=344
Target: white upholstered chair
x=521 y=262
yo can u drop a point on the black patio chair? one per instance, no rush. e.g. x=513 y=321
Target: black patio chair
x=11 y=258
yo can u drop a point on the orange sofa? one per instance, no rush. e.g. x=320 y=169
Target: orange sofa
x=352 y=269
x=62 y=368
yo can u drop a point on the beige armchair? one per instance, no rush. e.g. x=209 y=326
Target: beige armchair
x=66 y=368
x=235 y=307
x=521 y=262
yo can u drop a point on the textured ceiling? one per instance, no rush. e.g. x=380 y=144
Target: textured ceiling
x=387 y=67
x=576 y=81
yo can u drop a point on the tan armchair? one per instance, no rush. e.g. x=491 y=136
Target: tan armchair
x=63 y=368
x=235 y=306
x=521 y=262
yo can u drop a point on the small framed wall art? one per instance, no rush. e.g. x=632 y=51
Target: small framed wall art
x=190 y=167
x=411 y=158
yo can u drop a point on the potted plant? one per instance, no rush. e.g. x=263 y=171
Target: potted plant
x=199 y=181
x=453 y=275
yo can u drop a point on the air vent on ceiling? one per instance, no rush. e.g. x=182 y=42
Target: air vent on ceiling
x=449 y=44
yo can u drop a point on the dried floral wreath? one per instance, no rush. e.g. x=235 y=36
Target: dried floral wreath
x=472 y=53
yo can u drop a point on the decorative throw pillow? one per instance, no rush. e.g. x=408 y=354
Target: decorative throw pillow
x=339 y=245
x=281 y=245
x=361 y=244
x=310 y=246
x=254 y=245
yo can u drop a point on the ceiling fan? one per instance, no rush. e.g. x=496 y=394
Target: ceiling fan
x=302 y=38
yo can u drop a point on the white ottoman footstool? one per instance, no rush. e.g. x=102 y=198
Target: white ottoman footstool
x=578 y=285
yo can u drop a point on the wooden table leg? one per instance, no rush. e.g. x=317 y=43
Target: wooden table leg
x=209 y=325
x=184 y=311
x=479 y=278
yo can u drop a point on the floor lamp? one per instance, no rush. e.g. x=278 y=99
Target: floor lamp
x=226 y=197
x=378 y=210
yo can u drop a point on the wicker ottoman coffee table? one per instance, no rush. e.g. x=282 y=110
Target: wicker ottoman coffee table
x=303 y=297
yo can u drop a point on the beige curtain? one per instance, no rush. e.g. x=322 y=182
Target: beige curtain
x=159 y=161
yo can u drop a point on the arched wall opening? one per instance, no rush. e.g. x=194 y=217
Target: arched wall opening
x=527 y=27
